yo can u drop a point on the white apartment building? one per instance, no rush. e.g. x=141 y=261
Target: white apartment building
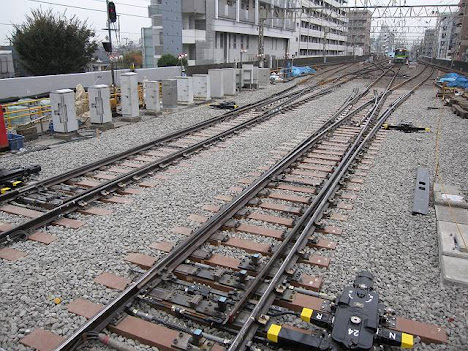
x=385 y=42
x=219 y=31
x=429 y=42
x=321 y=29
x=446 y=35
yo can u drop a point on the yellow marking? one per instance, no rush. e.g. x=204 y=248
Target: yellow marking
x=427 y=129
x=385 y=125
x=4 y=190
x=273 y=332
x=306 y=314
x=15 y=183
x=407 y=341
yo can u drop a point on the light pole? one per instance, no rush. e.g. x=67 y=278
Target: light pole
x=325 y=31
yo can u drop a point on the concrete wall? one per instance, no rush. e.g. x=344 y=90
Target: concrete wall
x=304 y=61
x=27 y=86
x=454 y=66
x=172 y=26
x=203 y=69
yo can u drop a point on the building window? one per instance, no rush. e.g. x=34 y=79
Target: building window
x=242 y=41
x=221 y=36
x=234 y=43
x=247 y=42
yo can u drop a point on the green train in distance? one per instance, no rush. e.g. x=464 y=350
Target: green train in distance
x=401 y=56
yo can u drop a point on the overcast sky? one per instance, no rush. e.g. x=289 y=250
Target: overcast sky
x=15 y=11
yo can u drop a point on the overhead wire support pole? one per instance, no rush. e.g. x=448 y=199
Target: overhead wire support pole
x=110 y=45
x=261 y=42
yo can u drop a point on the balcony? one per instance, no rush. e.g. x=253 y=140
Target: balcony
x=311 y=46
x=153 y=11
x=246 y=16
x=289 y=25
x=194 y=7
x=227 y=11
x=191 y=36
x=278 y=22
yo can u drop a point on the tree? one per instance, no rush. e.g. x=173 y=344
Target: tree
x=170 y=60
x=133 y=59
x=49 y=43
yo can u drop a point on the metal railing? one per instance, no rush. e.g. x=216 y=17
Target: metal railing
x=26 y=112
x=33 y=111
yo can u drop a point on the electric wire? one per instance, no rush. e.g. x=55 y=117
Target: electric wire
x=84 y=8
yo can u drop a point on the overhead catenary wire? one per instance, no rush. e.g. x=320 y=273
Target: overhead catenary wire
x=84 y=8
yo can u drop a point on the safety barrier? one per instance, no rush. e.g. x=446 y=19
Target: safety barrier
x=32 y=111
x=26 y=112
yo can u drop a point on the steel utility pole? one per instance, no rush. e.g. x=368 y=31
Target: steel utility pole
x=261 y=44
x=110 y=44
x=325 y=31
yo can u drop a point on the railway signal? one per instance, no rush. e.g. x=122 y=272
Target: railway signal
x=111 y=12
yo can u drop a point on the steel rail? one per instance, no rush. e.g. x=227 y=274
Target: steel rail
x=117 y=183
x=250 y=326
x=140 y=148
x=80 y=171
x=81 y=200
x=183 y=251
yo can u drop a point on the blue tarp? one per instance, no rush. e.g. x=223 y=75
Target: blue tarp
x=455 y=80
x=296 y=71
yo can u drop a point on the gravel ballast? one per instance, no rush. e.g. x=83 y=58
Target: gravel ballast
x=67 y=267
x=400 y=249
x=79 y=153
x=381 y=234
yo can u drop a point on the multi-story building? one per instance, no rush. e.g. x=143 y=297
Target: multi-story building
x=429 y=42
x=321 y=29
x=359 y=28
x=385 y=42
x=218 y=31
x=461 y=32
x=446 y=35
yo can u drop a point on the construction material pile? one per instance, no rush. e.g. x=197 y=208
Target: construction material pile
x=454 y=80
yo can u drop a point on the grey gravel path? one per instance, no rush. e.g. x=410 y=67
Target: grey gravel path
x=401 y=250
x=66 y=268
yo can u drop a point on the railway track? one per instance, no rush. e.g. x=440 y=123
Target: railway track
x=246 y=297
x=53 y=199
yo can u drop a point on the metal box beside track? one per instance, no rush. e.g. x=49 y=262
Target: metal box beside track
x=99 y=104
x=129 y=90
x=229 y=77
x=184 y=90
x=151 y=89
x=169 y=93
x=63 y=111
x=216 y=82
x=201 y=87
